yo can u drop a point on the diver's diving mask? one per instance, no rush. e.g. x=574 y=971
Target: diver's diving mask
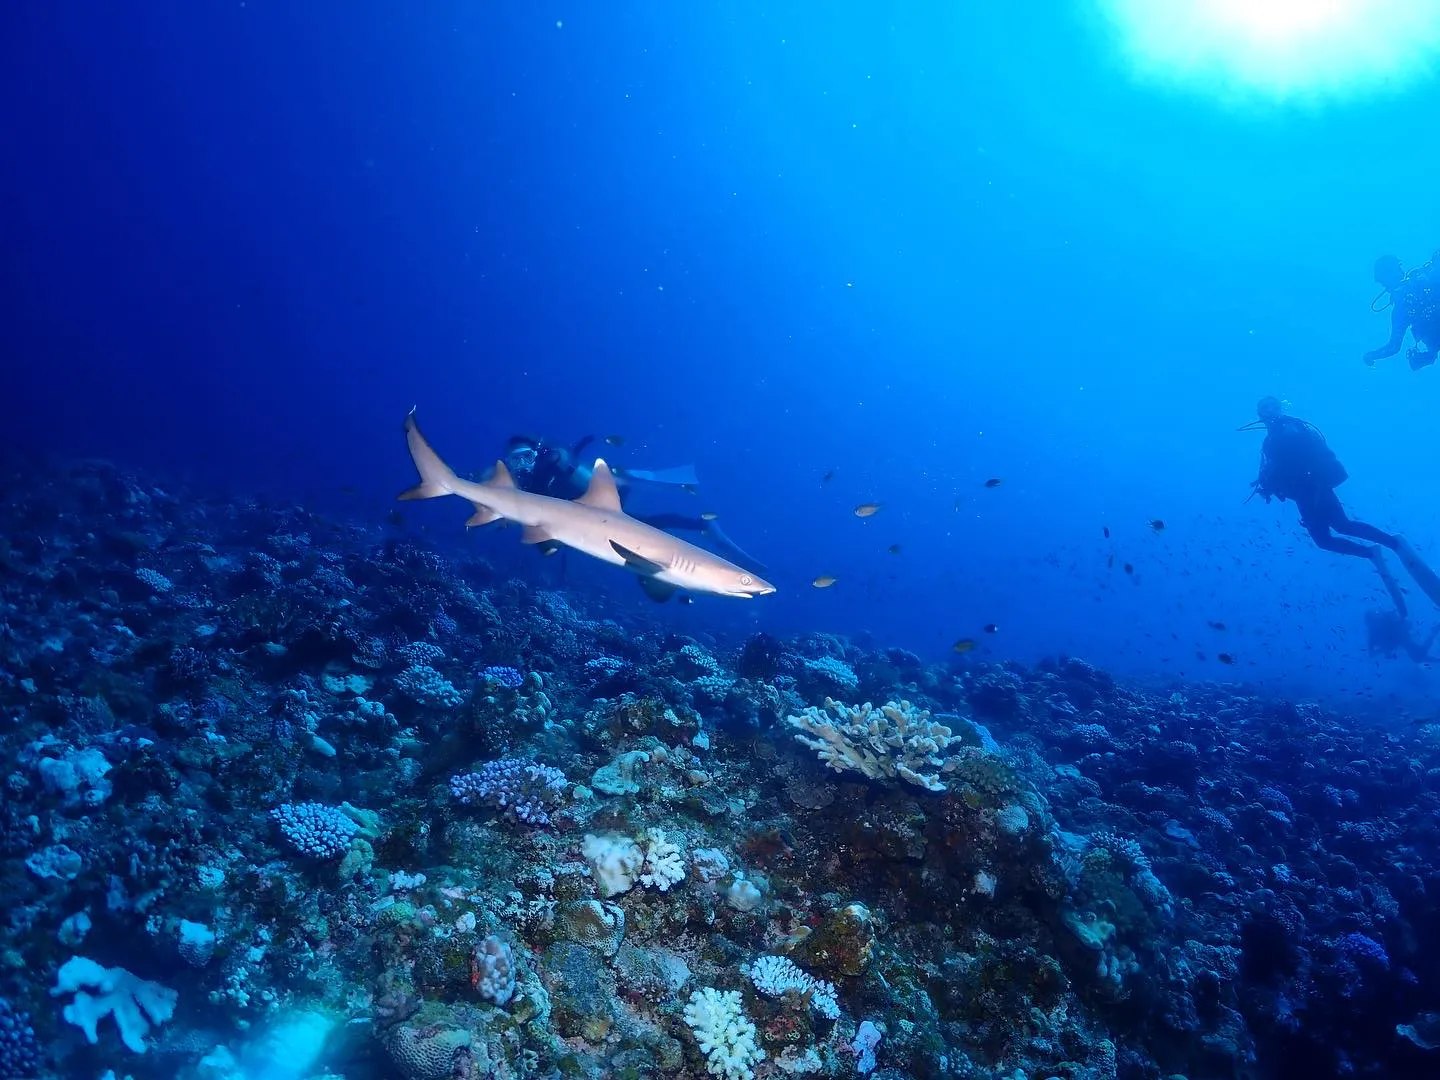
x=521 y=459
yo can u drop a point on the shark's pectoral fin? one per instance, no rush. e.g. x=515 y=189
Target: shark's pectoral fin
x=638 y=563
x=656 y=589
x=536 y=534
x=483 y=516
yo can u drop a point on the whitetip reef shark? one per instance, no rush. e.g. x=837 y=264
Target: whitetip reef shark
x=594 y=524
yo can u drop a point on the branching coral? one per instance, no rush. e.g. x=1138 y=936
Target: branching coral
x=896 y=739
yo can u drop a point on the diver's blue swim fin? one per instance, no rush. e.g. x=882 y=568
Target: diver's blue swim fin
x=681 y=476
x=1391 y=585
x=1423 y=576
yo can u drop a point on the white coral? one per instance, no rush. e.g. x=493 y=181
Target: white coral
x=896 y=739
x=775 y=976
x=723 y=1034
x=614 y=860
x=664 y=863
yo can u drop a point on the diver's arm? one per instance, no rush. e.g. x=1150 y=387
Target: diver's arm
x=1398 y=325
x=1265 y=478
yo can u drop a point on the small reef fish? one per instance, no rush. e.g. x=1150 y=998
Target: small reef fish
x=866 y=509
x=824 y=581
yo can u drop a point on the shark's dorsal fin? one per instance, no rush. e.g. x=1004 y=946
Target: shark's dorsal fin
x=502 y=477
x=602 y=493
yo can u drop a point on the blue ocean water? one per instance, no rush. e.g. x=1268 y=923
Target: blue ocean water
x=920 y=250
x=830 y=256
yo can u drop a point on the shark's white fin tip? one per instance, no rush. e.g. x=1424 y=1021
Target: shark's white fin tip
x=601 y=494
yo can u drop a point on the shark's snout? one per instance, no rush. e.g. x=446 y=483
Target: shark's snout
x=749 y=585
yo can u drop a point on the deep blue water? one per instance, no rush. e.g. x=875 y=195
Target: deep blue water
x=921 y=249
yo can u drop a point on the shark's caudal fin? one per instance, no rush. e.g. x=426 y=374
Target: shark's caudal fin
x=437 y=478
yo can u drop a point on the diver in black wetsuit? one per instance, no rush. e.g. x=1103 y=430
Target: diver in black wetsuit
x=562 y=473
x=1297 y=464
x=1414 y=307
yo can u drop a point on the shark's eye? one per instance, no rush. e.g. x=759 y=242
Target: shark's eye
x=745 y=579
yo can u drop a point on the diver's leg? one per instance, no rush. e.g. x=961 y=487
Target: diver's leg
x=1350 y=527
x=1320 y=512
x=1323 y=539
x=734 y=551
x=710 y=530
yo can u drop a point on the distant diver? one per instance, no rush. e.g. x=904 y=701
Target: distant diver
x=1389 y=632
x=1296 y=463
x=562 y=473
x=1414 y=306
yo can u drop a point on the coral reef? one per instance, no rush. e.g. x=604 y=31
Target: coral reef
x=313 y=793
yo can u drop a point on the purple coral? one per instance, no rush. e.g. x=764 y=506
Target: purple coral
x=19 y=1050
x=521 y=790
x=499 y=674
x=1363 y=950
x=314 y=829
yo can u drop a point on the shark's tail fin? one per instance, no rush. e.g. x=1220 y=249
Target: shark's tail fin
x=436 y=478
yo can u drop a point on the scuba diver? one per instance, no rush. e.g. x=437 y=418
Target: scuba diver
x=1387 y=632
x=1297 y=464
x=561 y=473
x=1413 y=307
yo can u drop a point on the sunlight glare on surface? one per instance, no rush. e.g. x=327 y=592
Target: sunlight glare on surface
x=1285 y=50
